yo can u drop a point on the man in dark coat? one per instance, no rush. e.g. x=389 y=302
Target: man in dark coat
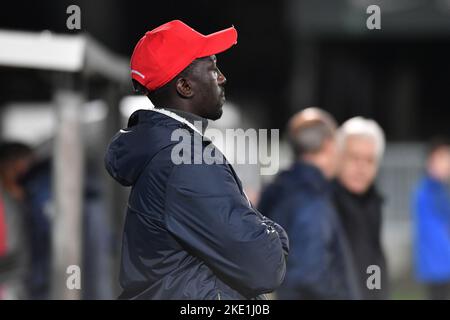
x=319 y=265
x=190 y=232
x=359 y=204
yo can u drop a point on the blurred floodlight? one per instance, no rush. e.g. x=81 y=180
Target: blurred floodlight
x=34 y=123
x=94 y=111
x=130 y=104
x=28 y=122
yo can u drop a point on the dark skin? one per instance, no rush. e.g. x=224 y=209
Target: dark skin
x=200 y=90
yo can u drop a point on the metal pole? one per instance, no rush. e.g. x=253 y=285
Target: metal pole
x=68 y=191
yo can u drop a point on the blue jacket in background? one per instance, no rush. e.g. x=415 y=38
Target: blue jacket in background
x=432 y=231
x=190 y=232
x=319 y=264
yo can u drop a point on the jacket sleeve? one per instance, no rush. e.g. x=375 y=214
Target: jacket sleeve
x=281 y=234
x=206 y=212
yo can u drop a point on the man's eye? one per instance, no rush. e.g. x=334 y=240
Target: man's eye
x=215 y=73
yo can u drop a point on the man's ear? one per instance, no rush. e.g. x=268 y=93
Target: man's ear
x=184 y=88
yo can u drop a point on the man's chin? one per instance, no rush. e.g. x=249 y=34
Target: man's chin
x=217 y=115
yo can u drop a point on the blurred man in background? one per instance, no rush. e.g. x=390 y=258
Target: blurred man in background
x=432 y=218
x=319 y=265
x=15 y=159
x=37 y=184
x=361 y=142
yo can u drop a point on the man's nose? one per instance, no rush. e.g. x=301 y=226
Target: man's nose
x=221 y=80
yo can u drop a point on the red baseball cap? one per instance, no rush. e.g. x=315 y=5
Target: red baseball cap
x=167 y=50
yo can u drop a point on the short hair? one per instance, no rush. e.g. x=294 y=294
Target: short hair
x=161 y=96
x=309 y=129
x=363 y=127
x=12 y=151
x=437 y=143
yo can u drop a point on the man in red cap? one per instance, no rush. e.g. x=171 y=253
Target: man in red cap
x=190 y=232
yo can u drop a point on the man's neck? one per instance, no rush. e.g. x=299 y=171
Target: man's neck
x=312 y=161
x=199 y=122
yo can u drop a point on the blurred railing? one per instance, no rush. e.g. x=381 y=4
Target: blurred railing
x=401 y=168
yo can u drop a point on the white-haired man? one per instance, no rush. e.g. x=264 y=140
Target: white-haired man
x=361 y=143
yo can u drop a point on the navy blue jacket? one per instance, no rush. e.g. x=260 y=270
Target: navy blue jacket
x=320 y=262
x=190 y=232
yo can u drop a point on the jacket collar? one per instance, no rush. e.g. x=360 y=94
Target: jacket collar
x=433 y=182
x=198 y=124
x=371 y=193
x=195 y=122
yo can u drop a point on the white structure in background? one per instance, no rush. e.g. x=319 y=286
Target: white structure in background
x=34 y=122
x=67 y=55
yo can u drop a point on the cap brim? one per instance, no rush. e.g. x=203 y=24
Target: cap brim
x=218 y=42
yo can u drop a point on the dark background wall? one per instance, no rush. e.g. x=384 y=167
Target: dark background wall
x=397 y=76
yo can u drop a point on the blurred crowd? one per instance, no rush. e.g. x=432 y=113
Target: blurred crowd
x=327 y=201
x=330 y=206
x=26 y=228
